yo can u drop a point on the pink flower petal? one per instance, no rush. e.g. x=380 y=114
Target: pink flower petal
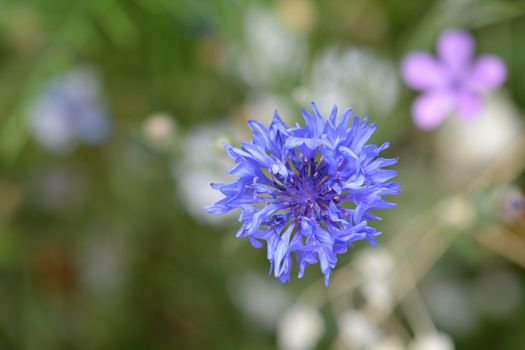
x=455 y=48
x=421 y=71
x=488 y=72
x=468 y=104
x=430 y=109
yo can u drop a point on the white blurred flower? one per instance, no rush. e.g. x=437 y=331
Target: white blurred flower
x=469 y=145
x=159 y=129
x=270 y=50
x=458 y=212
x=353 y=77
x=375 y=263
x=300 y=328
x=357 y=331
x=378 y=294
x=433 y=341
x=69 y=111
x=262 y=299
x=202 y=160
x=376 y=266
x=49 y=128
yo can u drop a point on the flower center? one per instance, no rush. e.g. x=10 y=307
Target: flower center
x=457 y=82
x=306 y=190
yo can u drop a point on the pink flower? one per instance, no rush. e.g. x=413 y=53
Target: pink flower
x=451 y=82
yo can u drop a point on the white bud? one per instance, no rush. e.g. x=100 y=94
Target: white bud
x=356 y=330
x=300 y=328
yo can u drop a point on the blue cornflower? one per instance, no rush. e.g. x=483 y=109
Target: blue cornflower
x=69 y=110
x=307 y=190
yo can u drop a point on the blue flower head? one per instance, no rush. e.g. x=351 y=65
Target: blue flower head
x=307 y=191
x=69 y=110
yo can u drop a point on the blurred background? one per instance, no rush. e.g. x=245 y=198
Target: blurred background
x=112 y=115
